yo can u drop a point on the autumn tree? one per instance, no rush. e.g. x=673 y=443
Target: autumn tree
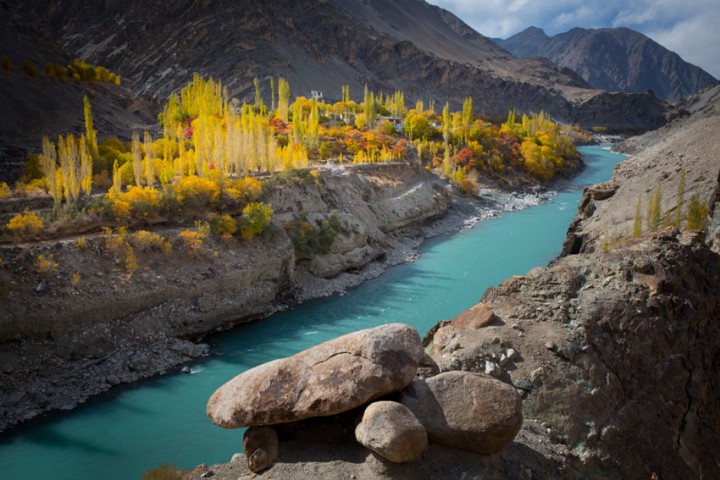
x=654 y=209
x=697 y=215
x=48 y=166
x=312 y=127
x=86 y=166
x=446 y=123
x=148 y=168
x=116 y=188
x=202 y=97
x=467 y=112
x=283 y=99
x=637 y=224
x=297 y=123
x=90 y=132
x=259 y=105
x=70 y=168
x=136 y=158
x=272 y=94
x=369 y=108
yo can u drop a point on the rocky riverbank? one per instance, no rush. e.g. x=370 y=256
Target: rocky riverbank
x=61 y=343
x=613 y=347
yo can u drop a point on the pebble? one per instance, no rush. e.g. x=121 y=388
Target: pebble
x=523 y=385
x=492 y=368
x=503 y=360
x=511 y=354
x=550 y=345
x=536 y=374
x=185 y=369
x=237 y=457
x=517 y=326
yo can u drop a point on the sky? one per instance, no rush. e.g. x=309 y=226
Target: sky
x=690 y=28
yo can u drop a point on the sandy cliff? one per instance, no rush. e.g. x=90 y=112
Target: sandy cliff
x=119 y=326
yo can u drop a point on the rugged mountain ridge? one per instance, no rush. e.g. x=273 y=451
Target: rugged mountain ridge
x=614 y=59
x=392 y=44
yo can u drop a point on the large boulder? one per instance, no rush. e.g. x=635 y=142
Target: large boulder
x=330 y=378
x=392 y=431
x=466 y=410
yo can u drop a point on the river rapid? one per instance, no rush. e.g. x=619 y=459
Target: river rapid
x=122 y=434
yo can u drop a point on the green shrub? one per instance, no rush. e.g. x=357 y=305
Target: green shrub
x=697 y=215
x=310 y=239
x=302 y=176
x=255 y=219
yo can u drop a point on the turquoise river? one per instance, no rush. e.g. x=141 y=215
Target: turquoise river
x=121 y=434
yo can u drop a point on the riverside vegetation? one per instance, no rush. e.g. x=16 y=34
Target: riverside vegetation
x=207 y=168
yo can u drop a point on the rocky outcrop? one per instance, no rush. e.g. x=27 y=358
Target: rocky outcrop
x=457 y=409
x=617 y=356
x=465 y=410
x=392 y=431
x=330 y=378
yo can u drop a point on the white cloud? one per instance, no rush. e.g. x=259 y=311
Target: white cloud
x=582 y=15
x=688 y=27
x=695 y=40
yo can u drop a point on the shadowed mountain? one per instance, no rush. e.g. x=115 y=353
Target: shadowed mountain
x=614 y=59
x=409 y=45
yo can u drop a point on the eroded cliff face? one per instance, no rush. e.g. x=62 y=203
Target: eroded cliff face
x=118 y=326
x=617 y=355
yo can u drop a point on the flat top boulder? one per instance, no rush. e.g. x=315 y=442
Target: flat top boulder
x=330 y=378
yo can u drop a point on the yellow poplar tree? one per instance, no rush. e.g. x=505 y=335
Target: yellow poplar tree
x=86 y=163
x=90 y=132
x=48 y=166
x=136 y=158
x=283 y=99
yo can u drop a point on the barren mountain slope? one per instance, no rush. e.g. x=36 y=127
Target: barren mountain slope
x=391 y=44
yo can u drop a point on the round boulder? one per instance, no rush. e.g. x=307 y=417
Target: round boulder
x=392 y=431
x=466 y=410
x=261 y=447
x=330 y=378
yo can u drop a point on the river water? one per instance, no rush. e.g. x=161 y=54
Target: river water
x=122 y=434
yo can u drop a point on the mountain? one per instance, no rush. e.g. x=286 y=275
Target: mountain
x=409 y=45
x=614 y=59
